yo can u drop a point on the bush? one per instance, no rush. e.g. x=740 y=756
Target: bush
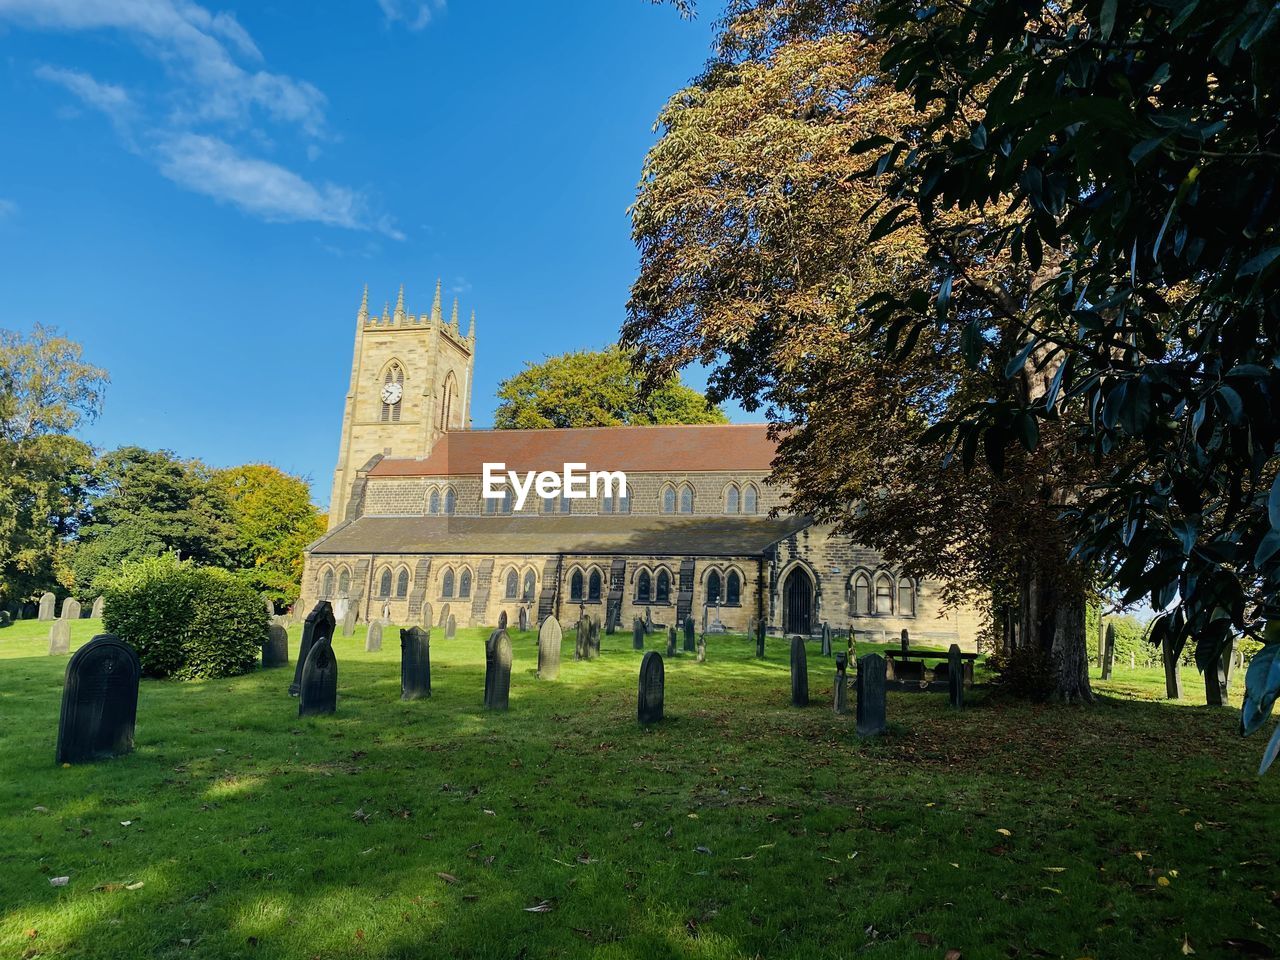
x=185 y=621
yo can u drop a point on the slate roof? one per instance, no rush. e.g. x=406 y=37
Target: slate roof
x=610 y=535
x=734 y=447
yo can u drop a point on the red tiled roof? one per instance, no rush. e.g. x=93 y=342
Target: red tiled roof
x=704 y=447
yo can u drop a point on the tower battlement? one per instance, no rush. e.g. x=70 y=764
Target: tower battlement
x=400 y=319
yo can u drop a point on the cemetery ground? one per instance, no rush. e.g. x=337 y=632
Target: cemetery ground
x=737 y=827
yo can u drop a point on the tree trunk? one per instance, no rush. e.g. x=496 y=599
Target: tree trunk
x=1053 y=620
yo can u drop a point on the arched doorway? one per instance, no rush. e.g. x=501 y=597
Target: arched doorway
x=797 y=602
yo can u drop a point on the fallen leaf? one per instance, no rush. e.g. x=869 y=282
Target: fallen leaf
x=39 y=809
x=1187 y=949
x=706 y=850
x=1055 y=869
x=31 y=934
x=134 y=886
x=491 y=813
x=126 y=823
x=447 y=877
x=1003 y=832
x=58 y=881
x=1162 y=881
x=544 y=907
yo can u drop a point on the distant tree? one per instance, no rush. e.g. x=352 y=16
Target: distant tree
x=149 y=502
x=46 y=392
x=273 y=520
x=595 y=389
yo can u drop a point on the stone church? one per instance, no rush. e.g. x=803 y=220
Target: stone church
x=412 y=539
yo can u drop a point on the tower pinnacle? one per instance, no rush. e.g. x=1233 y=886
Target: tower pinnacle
x=471 y=331
x=436 y=315
x=399 y=315
x=453 y=321
x=363 y=315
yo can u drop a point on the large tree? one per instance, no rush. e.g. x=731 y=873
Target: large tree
x=595 y=389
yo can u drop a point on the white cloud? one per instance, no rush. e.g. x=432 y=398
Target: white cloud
x=414 y=14
x=111 y=99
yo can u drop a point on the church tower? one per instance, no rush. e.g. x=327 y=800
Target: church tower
x=410 y=383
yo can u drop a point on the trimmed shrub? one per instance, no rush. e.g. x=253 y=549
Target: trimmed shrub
x=188 y=622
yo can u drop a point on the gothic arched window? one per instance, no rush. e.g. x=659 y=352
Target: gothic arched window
x=450 y=502
x=686 y=499
x=668 y=499
x=447 y=394
x=861 y=595
x=713 y=587
x=392 y=393
x=530 y=584
x=906 y=597
x=326 y=586
x=384 y=584
x=402 y=585
x=663 y=592
x=464 y=584
x=433 y=504
x=446 y=584
x=344 y=583
x=749 y=498
x=593 y=586
x=575 y=586
x=513 y=585
x=733 y=589
x=884 y=594
x=731 y=499
x=643 y=587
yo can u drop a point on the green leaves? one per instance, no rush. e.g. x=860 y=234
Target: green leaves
x=1261 y=687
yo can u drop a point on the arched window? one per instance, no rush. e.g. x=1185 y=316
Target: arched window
x=464 y=584
x=749 y=497
x=548 y=504
x=643 y=587
x=384 y=584
x=733 y=589
x=446 y=584
x=566 y=505
x=861 y=595
x=530 y=584
x=686 y=499
x=344 y=584
x=513 y=585
x=450 y=501
x=402 y=584
x=906 y=597
x=884 y=595
x=621 y=505
x=593 y=586
x=668 y=499
x=326 y=586
x=433 y=504
x=575 y=586
x=713 y=587
x=447 y=394
x=663 y=592
x=731 y=499
x=392 y=393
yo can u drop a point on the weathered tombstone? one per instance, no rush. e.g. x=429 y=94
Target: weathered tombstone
x=613 y=616
x=60 y=637
x=502 y=620
x=46 y=606
x=318 y=625
x=319 y=691
x=425 y=619
x=751 y=626
x=581 y=639
x=841 y=687
x=637 y=635
x=70 y=609
x=760 y=631
x=652 y=683
x=1172 y=675
x=524 y=619
x=386 y=611
x=444 y=616
x=688 y=634
x=870 y=692
x=98 y=604
x=451 y=628
x=1109 y=651
x=799 y=673
x=906 y=641
x=648 y=620
x=99 y=701
x=955 y=676
x=826 y=639
x=549 y=636
x=497 y=673
x=340 y=608
x=270 y=605
x=275 y=652
x=593 y=639
x=702 y=649
x=348 y=623
x=415 y=663
x=373 y=637
x=671 y=641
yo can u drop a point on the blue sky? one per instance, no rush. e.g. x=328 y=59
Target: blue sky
x=197 y=193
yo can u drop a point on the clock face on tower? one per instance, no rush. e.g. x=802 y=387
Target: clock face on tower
x=391 y=393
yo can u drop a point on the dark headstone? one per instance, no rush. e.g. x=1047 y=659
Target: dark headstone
x=702 y=649
x=549 y=636
x=870 y=693
x=451 y=628
x=275 y=652
x=99 y=701
x=637 y=635
x=799 y=673
x=1172 y=675
x=593 y=639
x=1108 y=651
x=502 y=620
x=60 y=637
x=318 y=625
x=373 y=637
x=826 y=639
x=581 y=637
x=906 y=642
x=841 y=688
x=955 y=677
x=415 y=663
x=671 y=641
x=319 y=693
x=648 y=620
x=70 y=609
x=652 y=683
x=497 y=673
x=46 y=607
x=688 y=635
x=524 y=619
x=613 y=616
x=760 y=631
x=98 y=604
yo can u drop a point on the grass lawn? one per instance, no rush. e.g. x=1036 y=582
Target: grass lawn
x=739 y=827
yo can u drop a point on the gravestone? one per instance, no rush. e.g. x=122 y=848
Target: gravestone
x=652 y=683
x=1172 y=675
x=751 y=626
x=70 y=609
x=955 y=677
x=425 y=620
x=648 y=620
x=318 y=625
x=906 y=641
x=96 y=612
x=348 y=623
x=1215 y=685
x=688 y=634
x=760 y=630
x=451 y=628
x=840 y=700
x=613 y=617
x=319 y=691
x=46 y=607
x=826 y=639
x=497 y=672
x=340 y=608
x=549 y=636
x=870 y=693
x=60 y=637
x=702 y=649
x=1108 y=651
x=270 y=606
x=671 y=641
x=502 y=620
x=415 y=663
x=6 y=618
x=373 y=637
x=637 y=635
x=386 y=611
x=799 y=673
x=99 y=701
x=275 y=651
x=581 y=639
x=444 y=617
x=593 y=639
x=524 y=619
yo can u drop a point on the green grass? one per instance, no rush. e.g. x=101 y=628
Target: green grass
x=739 y=827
